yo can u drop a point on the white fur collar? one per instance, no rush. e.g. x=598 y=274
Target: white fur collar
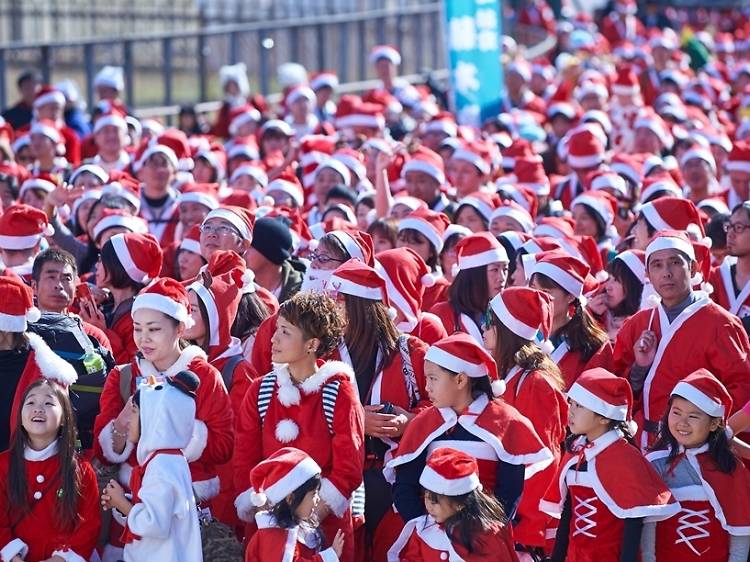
x=33 y=455
x=51 y=366
x=187 y=356
x=289 y=393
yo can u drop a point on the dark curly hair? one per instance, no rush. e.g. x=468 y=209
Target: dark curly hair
x=317 y=316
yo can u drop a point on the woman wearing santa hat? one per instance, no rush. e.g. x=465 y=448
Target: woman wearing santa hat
x=481 y=272
x=518 y=318
x=604 y=487
x=579 y=343
x=306 y=405
x=462 y=383
x=188 y=259
x=594 y=213
x=161 y=315
x=694 y=457
x=24 y=356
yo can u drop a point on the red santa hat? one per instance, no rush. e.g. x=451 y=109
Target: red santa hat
x=707 y=393
x=568 y=272
x=112 y=117
x=670 y=239
x=648 y=119
x=387 y=52
x=192 y=240
x=220 y=296
x=672 y=213
x=241 y=219
x=23 y=227
x=519 y=148
x=358 y=244
x=174 y=145
x=362 y=114
x=406 y=275
x=205 y=194
x=629 y=166
x=112 y=218
x=460 y=353
x=17 y=305
x=276 y=125
x=324 y=80
x=482 y=202
x=139 y=254
x=358 y=279
x=274 y=478
x=244 y=146
x=97 y=171
x=293 y=189
x=584 y=149
x=241 y=116
x=427 y=161
x=626 y=82
x=314 y=149
x=44 y=181
x=47 y=128
x=514 y=211
x=167 y=296
x=444 y=122
x=523 y=196
x=476 y=153
x=354 y=160
x=48 y=94
x=124 y=187
x=715 y=204
x=524 y=311
x=556 y=227
x=430 y=224
x=600 y=202
x=563 y=109
x=608 y=180
x=478 y=250
x=216 y=157
x=739 y=158
x=252 y=170
x=450 y=472
x=660 y=184
x=530 y=174
x=603 y=393
x=300 y=92
x=701 y=153
x=635 y=260
x=337 y=166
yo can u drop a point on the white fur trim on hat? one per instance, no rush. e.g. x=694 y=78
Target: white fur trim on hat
x=53 y=96
x=701 y=154
x=522 y=218
x=190 y=245
x=435 y=482
x=233 y=219
x=209 y=303
x=587 y=161
x=484 y=209
x=348 y=242
x=587 y=399
x=667 y=243
x=484 y=258
x=123 y=254
x=333 y=497
x=598 y=206
x=635 y=265
x=114 y=119
x=561 y=277
x=704 y=402
x=425 y=167
x=454 y=363
x=424 y=228
x=160 y=303
x=253 y=171
x=293 y=479
x=200 y=198
x=348 y=287
x=466 y=155
x=511 y=322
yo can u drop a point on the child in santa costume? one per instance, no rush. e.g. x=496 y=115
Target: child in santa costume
x=309 y=406
x=462 y=383
x=288 y=485
x=49 y=508
x=711 y=484
x=160 y=317
x=604 y=487
x=161 y=521
x=517 y=318
x=580 y=343
x=462 y=522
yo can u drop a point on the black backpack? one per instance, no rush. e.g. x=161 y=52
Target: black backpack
x=62 y=333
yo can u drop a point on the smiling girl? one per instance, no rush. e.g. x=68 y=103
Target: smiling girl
x=48 y=495
x=711 y=484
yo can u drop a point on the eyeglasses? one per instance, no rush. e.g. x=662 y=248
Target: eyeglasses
x=737 y=227
x=322 y=259
x=221 y=230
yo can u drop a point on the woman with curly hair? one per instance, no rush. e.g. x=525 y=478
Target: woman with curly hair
x=311 y=406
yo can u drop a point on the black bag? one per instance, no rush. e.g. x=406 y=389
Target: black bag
x=63 y=334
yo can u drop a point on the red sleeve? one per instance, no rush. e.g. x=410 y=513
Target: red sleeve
x=121 y=337
x=431 y=329
x=243 y=375
x=248 y=439
x=417 y=351
x=623 y=356
x=6 y=534
x=110 y=406
x=546 y=411
x=214 y=408
x=72 y=147
x=261 y=357
x=83 y=539
x=728 y=359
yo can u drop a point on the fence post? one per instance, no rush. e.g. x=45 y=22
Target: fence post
x=2 y=79
x=417 y=41
x=344 y=51
x=167 y=70
x=46 y=63
x=202 y=70
x=320 y=37
x=263 y=63
x=127 y=58
x=362 y=48
x=234 y=48
x=89 y=70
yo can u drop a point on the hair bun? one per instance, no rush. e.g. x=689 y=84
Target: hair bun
x=185 y=381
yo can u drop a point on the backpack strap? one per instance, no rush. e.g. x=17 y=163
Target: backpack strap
x=330 y=392
x=265 y=392
x=227 y=372
x=126 y=376
x=412 y=388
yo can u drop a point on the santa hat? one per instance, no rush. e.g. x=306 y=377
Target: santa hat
x=44 y=181
x=411 y=203
x=216 y=158
x=23 y=227
x=241 y=219
x=205 y=194
x=450 y=472
x=112 y=218
x=628 y=166
x=244 y=146
x=293 y=189
x=139 y=254
x=608 y=180
x=406 y=275
x=276 y=125
x=314 y=149
x=648 y=119
x=336 y=166
x=241 y=116
x=331 y=224
x=477 y=154
x=524 y=311
x=429 y=224
x=192 y=240
x=519 y=148
x=715 y=204
x=706 y=392
x=672 y=213
x=387 y=52
x=443 y=122
x=556 y=227
x=519 y=194
x=460 y=353
x=274 y=478
x=568 y=272
x=324 y=80
x=111 y=77
x=739 y=158
x=97 y=171
x=584 y=149
x=530 y=174
x=478 y=250
x=88 y=195
x=354 y=160
x=47 y=128
x=601 y=203
x=635 y=260
x=113 y=118
x=563 y=109
x=515 y=239
x=361 y=114
x=482 y=202
x=603 y=393
x=298 y=93
x=48 y=94
x=174 y=145
x=427 y=161
x=700 y=153
x=598 y=117
x=626 y=82
x=456 y=229
x=357 y=279
x=514 y=211
x=357 y=244
x=255 y=172
x=236 y=73
x=17 y=305
x=167 y=296
x=125 y=187
x=220 y=296
x=670 y=239
x=660 y=184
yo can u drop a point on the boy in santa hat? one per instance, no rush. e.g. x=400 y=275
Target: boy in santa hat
x=22 y=231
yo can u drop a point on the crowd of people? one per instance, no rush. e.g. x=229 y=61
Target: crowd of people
x=350 y=328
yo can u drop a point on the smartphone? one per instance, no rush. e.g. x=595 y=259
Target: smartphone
x=83 y=292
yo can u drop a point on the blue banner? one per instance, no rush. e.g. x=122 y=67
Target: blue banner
x=474 y=29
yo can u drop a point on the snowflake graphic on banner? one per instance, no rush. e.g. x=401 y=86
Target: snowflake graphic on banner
x=465 y=78
x=462 y=34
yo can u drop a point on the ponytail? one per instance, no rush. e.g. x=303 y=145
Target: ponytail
x=583 y=333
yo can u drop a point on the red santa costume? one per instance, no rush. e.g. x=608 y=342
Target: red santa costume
x=451 y=473
x=504 y=442
x=46 y=95
x=583 y=149
x=715 y=338
x=23 y=227
x=141 y=258
x=723 y=281
x=570 y=274
x=714 y=520
x=605 y=482
x=623 y=24
x=37 y=533
x=211 y=444
x=321 y=416
x=275 y=478
x=478 y=250
x=527 y=312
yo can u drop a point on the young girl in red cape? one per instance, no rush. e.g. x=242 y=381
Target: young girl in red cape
x=695 y=459
x=462 y=522
x=49 y=506
x=288 y=485
x=466 y=416
x=604 y=488
x=534 y=385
